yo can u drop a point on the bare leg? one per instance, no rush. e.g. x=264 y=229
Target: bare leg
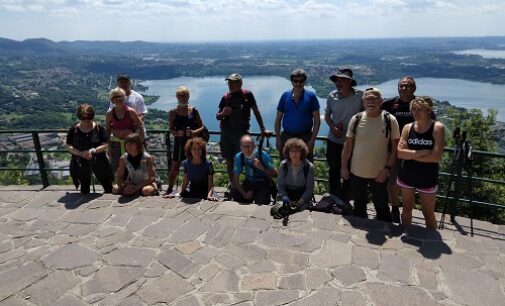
x=408 y=196
x=174 y=170
x=394 y=193
x=428 y=203
x=149 y=190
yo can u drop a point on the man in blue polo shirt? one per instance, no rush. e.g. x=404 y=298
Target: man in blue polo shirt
x=298 y=110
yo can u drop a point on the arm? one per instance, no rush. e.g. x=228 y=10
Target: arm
x=438 y=149
x=390 y=164
x=257 y=114
x=108 y=122
x=223 y=110
x=210 y=193
x=403 y=151
x=346 y=155
x=138 y=124
x=278 y=141
x=120 y=172
x=171 y=122
x=185 y=183
x=315 y=130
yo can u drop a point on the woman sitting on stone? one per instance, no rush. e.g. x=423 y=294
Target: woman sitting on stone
x=198 y=179
x=136 y=174
x=296 y=175
x=120 y=122
x=184 y=122
x=87 y=141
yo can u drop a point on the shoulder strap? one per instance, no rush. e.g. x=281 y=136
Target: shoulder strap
x=285 y=168
x=387 y=119
x=242 y=159
x=75 y=139
x=306 y=169
x=356 y=122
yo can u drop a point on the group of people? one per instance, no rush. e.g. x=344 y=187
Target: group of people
x=374 y=145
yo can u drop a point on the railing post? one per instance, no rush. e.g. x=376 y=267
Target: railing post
x=40 y=159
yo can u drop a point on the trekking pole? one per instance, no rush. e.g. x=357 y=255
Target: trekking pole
x=469 y=170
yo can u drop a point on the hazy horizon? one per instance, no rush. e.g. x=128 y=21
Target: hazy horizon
x=179 y=21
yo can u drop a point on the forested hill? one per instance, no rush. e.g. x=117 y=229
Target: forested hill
x=42 y=82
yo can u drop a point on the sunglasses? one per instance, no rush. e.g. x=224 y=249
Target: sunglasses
x=118 y=97
x=182 y=95
x=86 y=118
x=298 y=81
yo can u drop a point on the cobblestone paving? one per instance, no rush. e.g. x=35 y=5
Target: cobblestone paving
x=58 y=248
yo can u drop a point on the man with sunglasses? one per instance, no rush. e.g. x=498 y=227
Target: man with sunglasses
x=133 y=99
x=399 y=107
x=234 y=115
x=298 y=110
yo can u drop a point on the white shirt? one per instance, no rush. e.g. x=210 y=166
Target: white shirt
x=135 y=101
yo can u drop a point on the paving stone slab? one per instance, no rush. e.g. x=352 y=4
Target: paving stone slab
x=69 y=300
x=50 y=289
x=111 y=279
x=383 y=294
x=165 y=289
x=14 y=280
x=353 y=297
x=133 y=257
x=235 y=209
x=349 y=275
x=295 y=281
x=132 y=300
x=190 y=230
x=323 y=297
x=275 y=297
x=317 y=278
x=258 y=281
x=333 y=254
x=94 y=216
x=26 y=214
x=365 y=257
x=188 y=301
x=69 y=257
x=472 y=287
x=178 y=262
x=307 y=242
x=225 y=281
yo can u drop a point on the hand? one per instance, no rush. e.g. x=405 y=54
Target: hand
x=171 y=195
x=226 y=111
x=180 y=133
x=258 y=165
x=336 y=131
x=383 y=175
x=265 y=133
x=344 y=173
x=213 y=199
x=86 y=155
x=402 y=144
x=248 y=195
x=188 y=132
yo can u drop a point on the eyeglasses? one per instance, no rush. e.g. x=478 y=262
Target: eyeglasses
x=298 y=81
x=84 y=118
x=405 y=86
x=182 y=95
x=246 y=146
x=120 y=97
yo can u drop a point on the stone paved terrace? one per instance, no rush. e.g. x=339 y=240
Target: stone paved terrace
x=58 y=248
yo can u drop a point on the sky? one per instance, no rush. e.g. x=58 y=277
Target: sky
x=242 y=20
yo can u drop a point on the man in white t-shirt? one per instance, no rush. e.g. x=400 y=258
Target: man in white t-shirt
x=133 y=99
x=372 y=137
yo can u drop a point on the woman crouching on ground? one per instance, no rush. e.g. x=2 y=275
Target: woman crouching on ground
x=138 y=167
x=198 y=179
x=421 y=147
x=296 y=175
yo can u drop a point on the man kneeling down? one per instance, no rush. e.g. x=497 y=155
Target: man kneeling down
x=256 y=186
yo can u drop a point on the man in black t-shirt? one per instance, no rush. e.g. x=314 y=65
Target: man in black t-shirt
x=235 y=114
x=399 y=107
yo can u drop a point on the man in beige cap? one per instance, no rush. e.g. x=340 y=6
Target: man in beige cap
x=234 y=115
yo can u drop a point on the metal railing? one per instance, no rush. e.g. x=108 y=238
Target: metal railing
x=39 y=151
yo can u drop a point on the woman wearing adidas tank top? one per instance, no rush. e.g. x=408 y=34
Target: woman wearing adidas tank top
x=421 y=147
x=120 y=122
x=136 y=174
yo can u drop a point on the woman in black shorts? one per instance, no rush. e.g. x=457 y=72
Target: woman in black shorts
x=184 y=122
x=421 y=147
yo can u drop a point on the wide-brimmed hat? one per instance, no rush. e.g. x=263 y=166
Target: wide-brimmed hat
x=234 y=77
x=343 y=73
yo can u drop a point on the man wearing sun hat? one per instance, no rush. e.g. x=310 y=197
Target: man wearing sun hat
x=234 y=115
x=372 y=138
x=341 y=104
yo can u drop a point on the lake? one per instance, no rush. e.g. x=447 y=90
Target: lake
x=485 y=53
x=207 y=92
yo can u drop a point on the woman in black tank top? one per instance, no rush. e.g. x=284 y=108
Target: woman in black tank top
x=421 y=148
x=184 y=122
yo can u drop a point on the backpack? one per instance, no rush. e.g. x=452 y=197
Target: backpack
x=205 y=132
x=332 y=204
x=227 y=99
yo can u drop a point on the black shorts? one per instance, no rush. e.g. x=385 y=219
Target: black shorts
x=230 y=143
